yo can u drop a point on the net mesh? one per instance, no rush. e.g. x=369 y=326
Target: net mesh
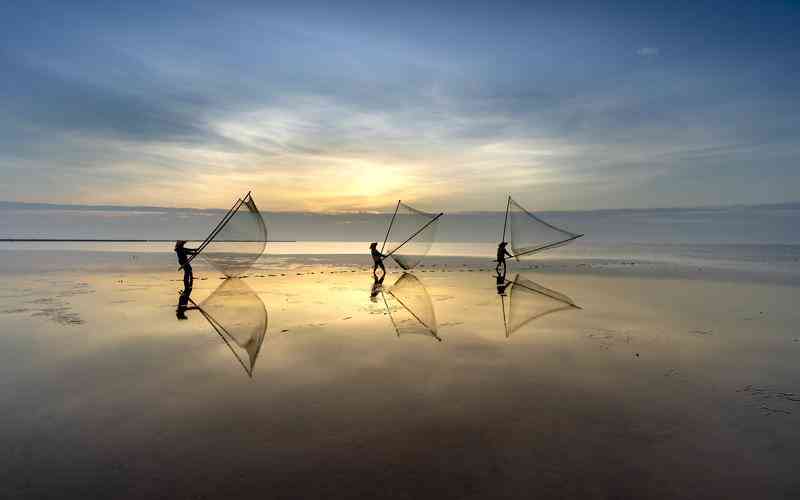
x=239 y=241
x=240 y=317
x=415 y=224
x=527 y=300
x=410 y=307
x=529 y=234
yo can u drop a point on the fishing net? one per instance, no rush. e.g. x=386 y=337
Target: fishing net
x=529 y=234
x=240 y=318
x=410 y=236
x=527 y=301
x=410 y=307
x=238 y=240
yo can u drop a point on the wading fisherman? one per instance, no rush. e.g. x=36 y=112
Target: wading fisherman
x=502 y=253
x=183 y=260
x=377 y=259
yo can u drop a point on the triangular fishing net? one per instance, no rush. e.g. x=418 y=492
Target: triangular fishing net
x=410 y=307
x=238 y=240
x=410 y=235
x=529 y=234
x=526 y=301
x=238 y=315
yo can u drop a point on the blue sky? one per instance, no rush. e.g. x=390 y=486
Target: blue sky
x=352 y=105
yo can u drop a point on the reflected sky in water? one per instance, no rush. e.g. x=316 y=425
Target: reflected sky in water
x=654 y=388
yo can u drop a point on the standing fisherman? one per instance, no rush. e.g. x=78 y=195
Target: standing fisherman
x=377 y=260
x=183 y=260
x=502 y=253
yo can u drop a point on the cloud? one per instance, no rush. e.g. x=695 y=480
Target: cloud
x=648 y=51
x=321 y=115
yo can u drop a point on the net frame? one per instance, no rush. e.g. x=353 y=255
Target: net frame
x=528 y=250
x=530 y=286
x=233 y=270
x=406 y=261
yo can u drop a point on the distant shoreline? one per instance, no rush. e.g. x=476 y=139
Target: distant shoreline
x=115 y=240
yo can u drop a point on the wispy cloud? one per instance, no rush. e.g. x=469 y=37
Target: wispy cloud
x=648 y=51
x=334 y=113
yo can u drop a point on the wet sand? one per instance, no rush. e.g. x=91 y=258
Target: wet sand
x=664 y=384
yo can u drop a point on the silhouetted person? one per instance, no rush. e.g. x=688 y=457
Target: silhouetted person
x=377 y=286
x=183 y=304
x=502 y=253
x=377 y=260
x=183 y=260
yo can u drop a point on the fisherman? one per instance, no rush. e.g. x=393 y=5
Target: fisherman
x=377 y=260
x=184 y=254
x=502 y=253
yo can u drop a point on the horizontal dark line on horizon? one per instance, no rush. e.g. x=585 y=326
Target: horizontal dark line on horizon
x=106 y=240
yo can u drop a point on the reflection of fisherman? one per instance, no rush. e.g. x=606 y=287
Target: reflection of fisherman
x=502 y=253
x=377 y=260
x=377 y=286
x=183 y=304
x=501 y=282
x=183 y=260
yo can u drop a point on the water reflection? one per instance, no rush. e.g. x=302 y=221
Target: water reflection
x=239 y=316
x=523 y=300
x=410 y=307
x=377 y=287
x=500 y=281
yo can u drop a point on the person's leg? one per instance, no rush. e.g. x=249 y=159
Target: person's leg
x=188 y=277
x=383 y=269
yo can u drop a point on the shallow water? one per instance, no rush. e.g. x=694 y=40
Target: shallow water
x=656 y=387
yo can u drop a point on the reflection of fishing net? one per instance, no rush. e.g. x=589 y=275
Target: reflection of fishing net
x=410 y=236
x=528 y=301
x=240 y=318
x=529 y=234
x=410 y=307
x=238 y=240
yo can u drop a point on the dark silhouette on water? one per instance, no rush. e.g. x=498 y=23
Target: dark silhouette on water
x=501 y=282
x=183 y=304
x=184 y=256
x=377 y=260
x=502 y=253
x=377 y=287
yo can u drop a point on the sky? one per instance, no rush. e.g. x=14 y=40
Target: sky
x=349 y=106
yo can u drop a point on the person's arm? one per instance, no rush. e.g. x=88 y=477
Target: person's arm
x=191 y=251
x=506 y=252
